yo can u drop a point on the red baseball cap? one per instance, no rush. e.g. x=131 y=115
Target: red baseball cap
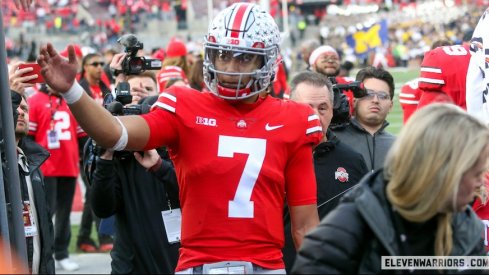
x=78 y=51
x=159 y=54
x=176 y=48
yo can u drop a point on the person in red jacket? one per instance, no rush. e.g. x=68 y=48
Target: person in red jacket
x=280 y=88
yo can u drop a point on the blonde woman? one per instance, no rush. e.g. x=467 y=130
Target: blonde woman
x=418 y=205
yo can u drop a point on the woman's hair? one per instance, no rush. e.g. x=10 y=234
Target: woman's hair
x=426 y=164
x=177 y=61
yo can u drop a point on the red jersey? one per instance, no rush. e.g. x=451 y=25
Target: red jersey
x=97 y=94
x=235 y=163
x=280 y=86
x=443 y=75
x=409 y=98
x=48 y=113
x=168 y=73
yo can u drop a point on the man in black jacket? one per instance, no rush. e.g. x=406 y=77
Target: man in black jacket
x=37 y=219
x=337 y=166
x=137 y=189
x=91 y=81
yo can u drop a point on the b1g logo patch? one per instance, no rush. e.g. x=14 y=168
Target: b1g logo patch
x=206 y=121
x=341 y=174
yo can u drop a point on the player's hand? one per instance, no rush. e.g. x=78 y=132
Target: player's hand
x=58 y=72
x=17 y=82
x=24 y=4
x=149 y=159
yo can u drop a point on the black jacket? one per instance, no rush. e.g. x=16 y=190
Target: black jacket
x=36 y=155
x=338 y=168
x=354 y=236
x=123 y=187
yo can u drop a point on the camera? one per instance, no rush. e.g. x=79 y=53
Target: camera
x=356 y=87
x=341 y=107
x=133 y=64
x=117 y=106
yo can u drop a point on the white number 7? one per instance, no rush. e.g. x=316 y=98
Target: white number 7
x=241 y=206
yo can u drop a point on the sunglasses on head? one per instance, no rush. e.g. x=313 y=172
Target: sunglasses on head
x=95 y=64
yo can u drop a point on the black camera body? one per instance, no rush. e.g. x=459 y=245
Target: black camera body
x=356 y=87
x=133 y=64
x=118 y=106
x=341 y=107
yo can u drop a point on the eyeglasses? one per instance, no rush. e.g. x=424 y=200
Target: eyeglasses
x=380 y=95
x=95 y=64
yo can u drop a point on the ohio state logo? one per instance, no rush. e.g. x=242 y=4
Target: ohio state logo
x=341 y=174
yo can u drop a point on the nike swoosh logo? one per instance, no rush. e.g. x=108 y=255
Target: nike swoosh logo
x=271 y=128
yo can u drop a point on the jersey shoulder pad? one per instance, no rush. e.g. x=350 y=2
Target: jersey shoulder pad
x=168 y=99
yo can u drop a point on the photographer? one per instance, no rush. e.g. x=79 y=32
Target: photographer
x=136 y=188
x=136 y=195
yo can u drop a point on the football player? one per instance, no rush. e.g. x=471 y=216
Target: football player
x=411 y=93
x=477 y=90
x=409 y=98
x=457 y=74
x=443 y=75
x=237 y=155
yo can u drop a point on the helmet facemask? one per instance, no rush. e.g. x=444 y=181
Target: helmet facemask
x=260 y=78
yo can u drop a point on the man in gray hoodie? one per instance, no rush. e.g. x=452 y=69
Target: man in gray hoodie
x=366 y=131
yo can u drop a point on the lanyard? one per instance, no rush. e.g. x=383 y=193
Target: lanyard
x=53 y=112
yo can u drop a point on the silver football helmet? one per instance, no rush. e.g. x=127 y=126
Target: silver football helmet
x=240 y=31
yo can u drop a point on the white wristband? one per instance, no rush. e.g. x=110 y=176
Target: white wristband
x=122 y=142
x=74 y=93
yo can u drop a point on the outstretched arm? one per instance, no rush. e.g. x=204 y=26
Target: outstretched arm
x=97 y=122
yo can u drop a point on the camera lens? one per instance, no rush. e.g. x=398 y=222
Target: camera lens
x=136 y=65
